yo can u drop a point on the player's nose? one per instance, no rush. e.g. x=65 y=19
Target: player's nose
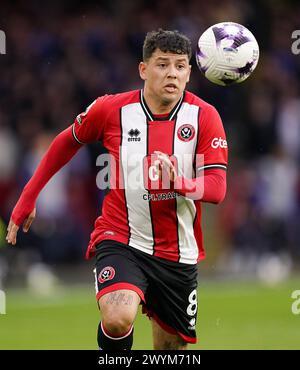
x=172 y=71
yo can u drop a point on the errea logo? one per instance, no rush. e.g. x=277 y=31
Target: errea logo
x=134 y=135
x=218 y=143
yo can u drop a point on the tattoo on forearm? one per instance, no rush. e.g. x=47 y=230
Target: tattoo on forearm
x=119 y=299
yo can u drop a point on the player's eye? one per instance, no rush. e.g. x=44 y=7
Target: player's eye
x=181 y=66
x=162 y=65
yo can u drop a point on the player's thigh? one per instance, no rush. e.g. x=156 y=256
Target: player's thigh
x=171 y=300
x=163 y=340
x=120 y=282
x=119 y=306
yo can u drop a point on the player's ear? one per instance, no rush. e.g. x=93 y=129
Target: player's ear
x=189 y=74
x=142 y=70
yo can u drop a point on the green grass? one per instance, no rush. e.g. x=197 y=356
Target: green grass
x=231 y=315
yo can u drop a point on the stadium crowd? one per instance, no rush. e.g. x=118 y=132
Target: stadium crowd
x=60 y=56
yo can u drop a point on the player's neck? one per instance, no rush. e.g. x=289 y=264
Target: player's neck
x=156 y=105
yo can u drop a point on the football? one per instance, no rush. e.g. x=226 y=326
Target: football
x=227 y=53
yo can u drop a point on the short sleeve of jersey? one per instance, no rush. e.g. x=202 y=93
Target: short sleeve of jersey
x=89 y=126
x=212 y=151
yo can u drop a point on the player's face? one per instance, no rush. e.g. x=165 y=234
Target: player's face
x=165 y=76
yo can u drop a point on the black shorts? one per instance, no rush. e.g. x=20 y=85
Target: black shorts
x=168 y=290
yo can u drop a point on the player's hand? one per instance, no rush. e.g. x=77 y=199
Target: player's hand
x=166 y=164
x=12 y=229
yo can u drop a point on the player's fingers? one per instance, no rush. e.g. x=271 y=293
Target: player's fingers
x=9 y=225
x=12 y=234
x=173 y=174
x=160 y=155
x=157 y=164
x=9 y=229
x=27 y=223
x=165 y=160
x=158 y=167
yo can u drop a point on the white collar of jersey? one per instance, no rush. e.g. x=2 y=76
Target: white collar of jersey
x=149 y=114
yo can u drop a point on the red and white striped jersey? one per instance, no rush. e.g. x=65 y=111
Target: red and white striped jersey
x=157 y=221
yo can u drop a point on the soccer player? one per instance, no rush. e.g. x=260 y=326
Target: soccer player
x=148 y=240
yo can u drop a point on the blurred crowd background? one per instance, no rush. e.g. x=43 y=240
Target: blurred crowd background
x=62 y=55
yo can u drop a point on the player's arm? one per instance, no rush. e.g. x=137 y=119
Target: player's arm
x=209 y=183
x=61 y=151
x=209 y=186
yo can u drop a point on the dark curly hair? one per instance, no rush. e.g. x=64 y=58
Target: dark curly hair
x=166 y=41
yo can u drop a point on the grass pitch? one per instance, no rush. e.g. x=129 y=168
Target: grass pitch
x=231 y=315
